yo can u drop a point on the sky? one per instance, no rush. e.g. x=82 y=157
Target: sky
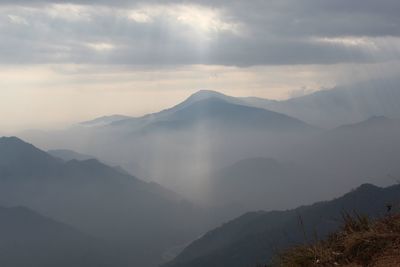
x=67 y=61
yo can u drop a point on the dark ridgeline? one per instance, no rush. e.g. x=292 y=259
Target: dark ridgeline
x=256 y=237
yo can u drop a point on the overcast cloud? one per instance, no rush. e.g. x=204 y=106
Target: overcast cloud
x=238 y=33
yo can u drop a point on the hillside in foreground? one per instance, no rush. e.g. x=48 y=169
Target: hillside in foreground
x=359 y=242
x=257 y=237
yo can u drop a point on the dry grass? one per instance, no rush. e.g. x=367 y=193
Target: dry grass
x=360 y=242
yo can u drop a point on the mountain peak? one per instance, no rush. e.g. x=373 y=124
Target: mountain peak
x=13 y=149
x=367 y=188
x=205 y=94
x=10 y=140
x=14 y=143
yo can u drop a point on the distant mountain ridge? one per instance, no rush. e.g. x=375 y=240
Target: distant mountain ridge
x=264 y=183
x=101 y=121
x=198 y=96
x=220 y=113
x=364 y=151
x=147 y=141
x=210 y=107
x=341 y=105
x=67 y=155
x=327 y=108
x=210 y=130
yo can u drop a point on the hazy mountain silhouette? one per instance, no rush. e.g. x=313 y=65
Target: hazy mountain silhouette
x=263 y=183
x=182 y=146
x=198 y=96
x=366 y=151
x=142 y=219
x=227 y=130
x=30 y=239
x=220 y=114
x=105 y=120
x=326 y=108
x=342 y=105
x=255 y=237
x=67 y=155
x=211 y=107
x=376 y=122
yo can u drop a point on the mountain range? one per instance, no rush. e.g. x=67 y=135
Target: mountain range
x=142 y=219
x=210 y=108
x=184 y=146
x=342 y=105
x=328 y=108
x=205 y=131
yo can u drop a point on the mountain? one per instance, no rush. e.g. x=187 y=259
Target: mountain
x=67 y=155
x=329 y=108
x=179 y=147
x=373 y=123
x=256 y=237
x=341 y=105
x=141 y=219
x=224 y=115
x=30 y=239
x=205 y=132
x=105 y=120
x=211 y=107
x=264 y=184
x=198 y=96
x=365 y=151
x=14 y=154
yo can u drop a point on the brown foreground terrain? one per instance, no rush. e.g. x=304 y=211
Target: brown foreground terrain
x=360 y=242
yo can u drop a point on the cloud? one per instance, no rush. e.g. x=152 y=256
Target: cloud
x=220 y=32
x=100 y=47
x=17 y=20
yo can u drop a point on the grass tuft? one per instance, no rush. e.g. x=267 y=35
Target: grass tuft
x=360 y=242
